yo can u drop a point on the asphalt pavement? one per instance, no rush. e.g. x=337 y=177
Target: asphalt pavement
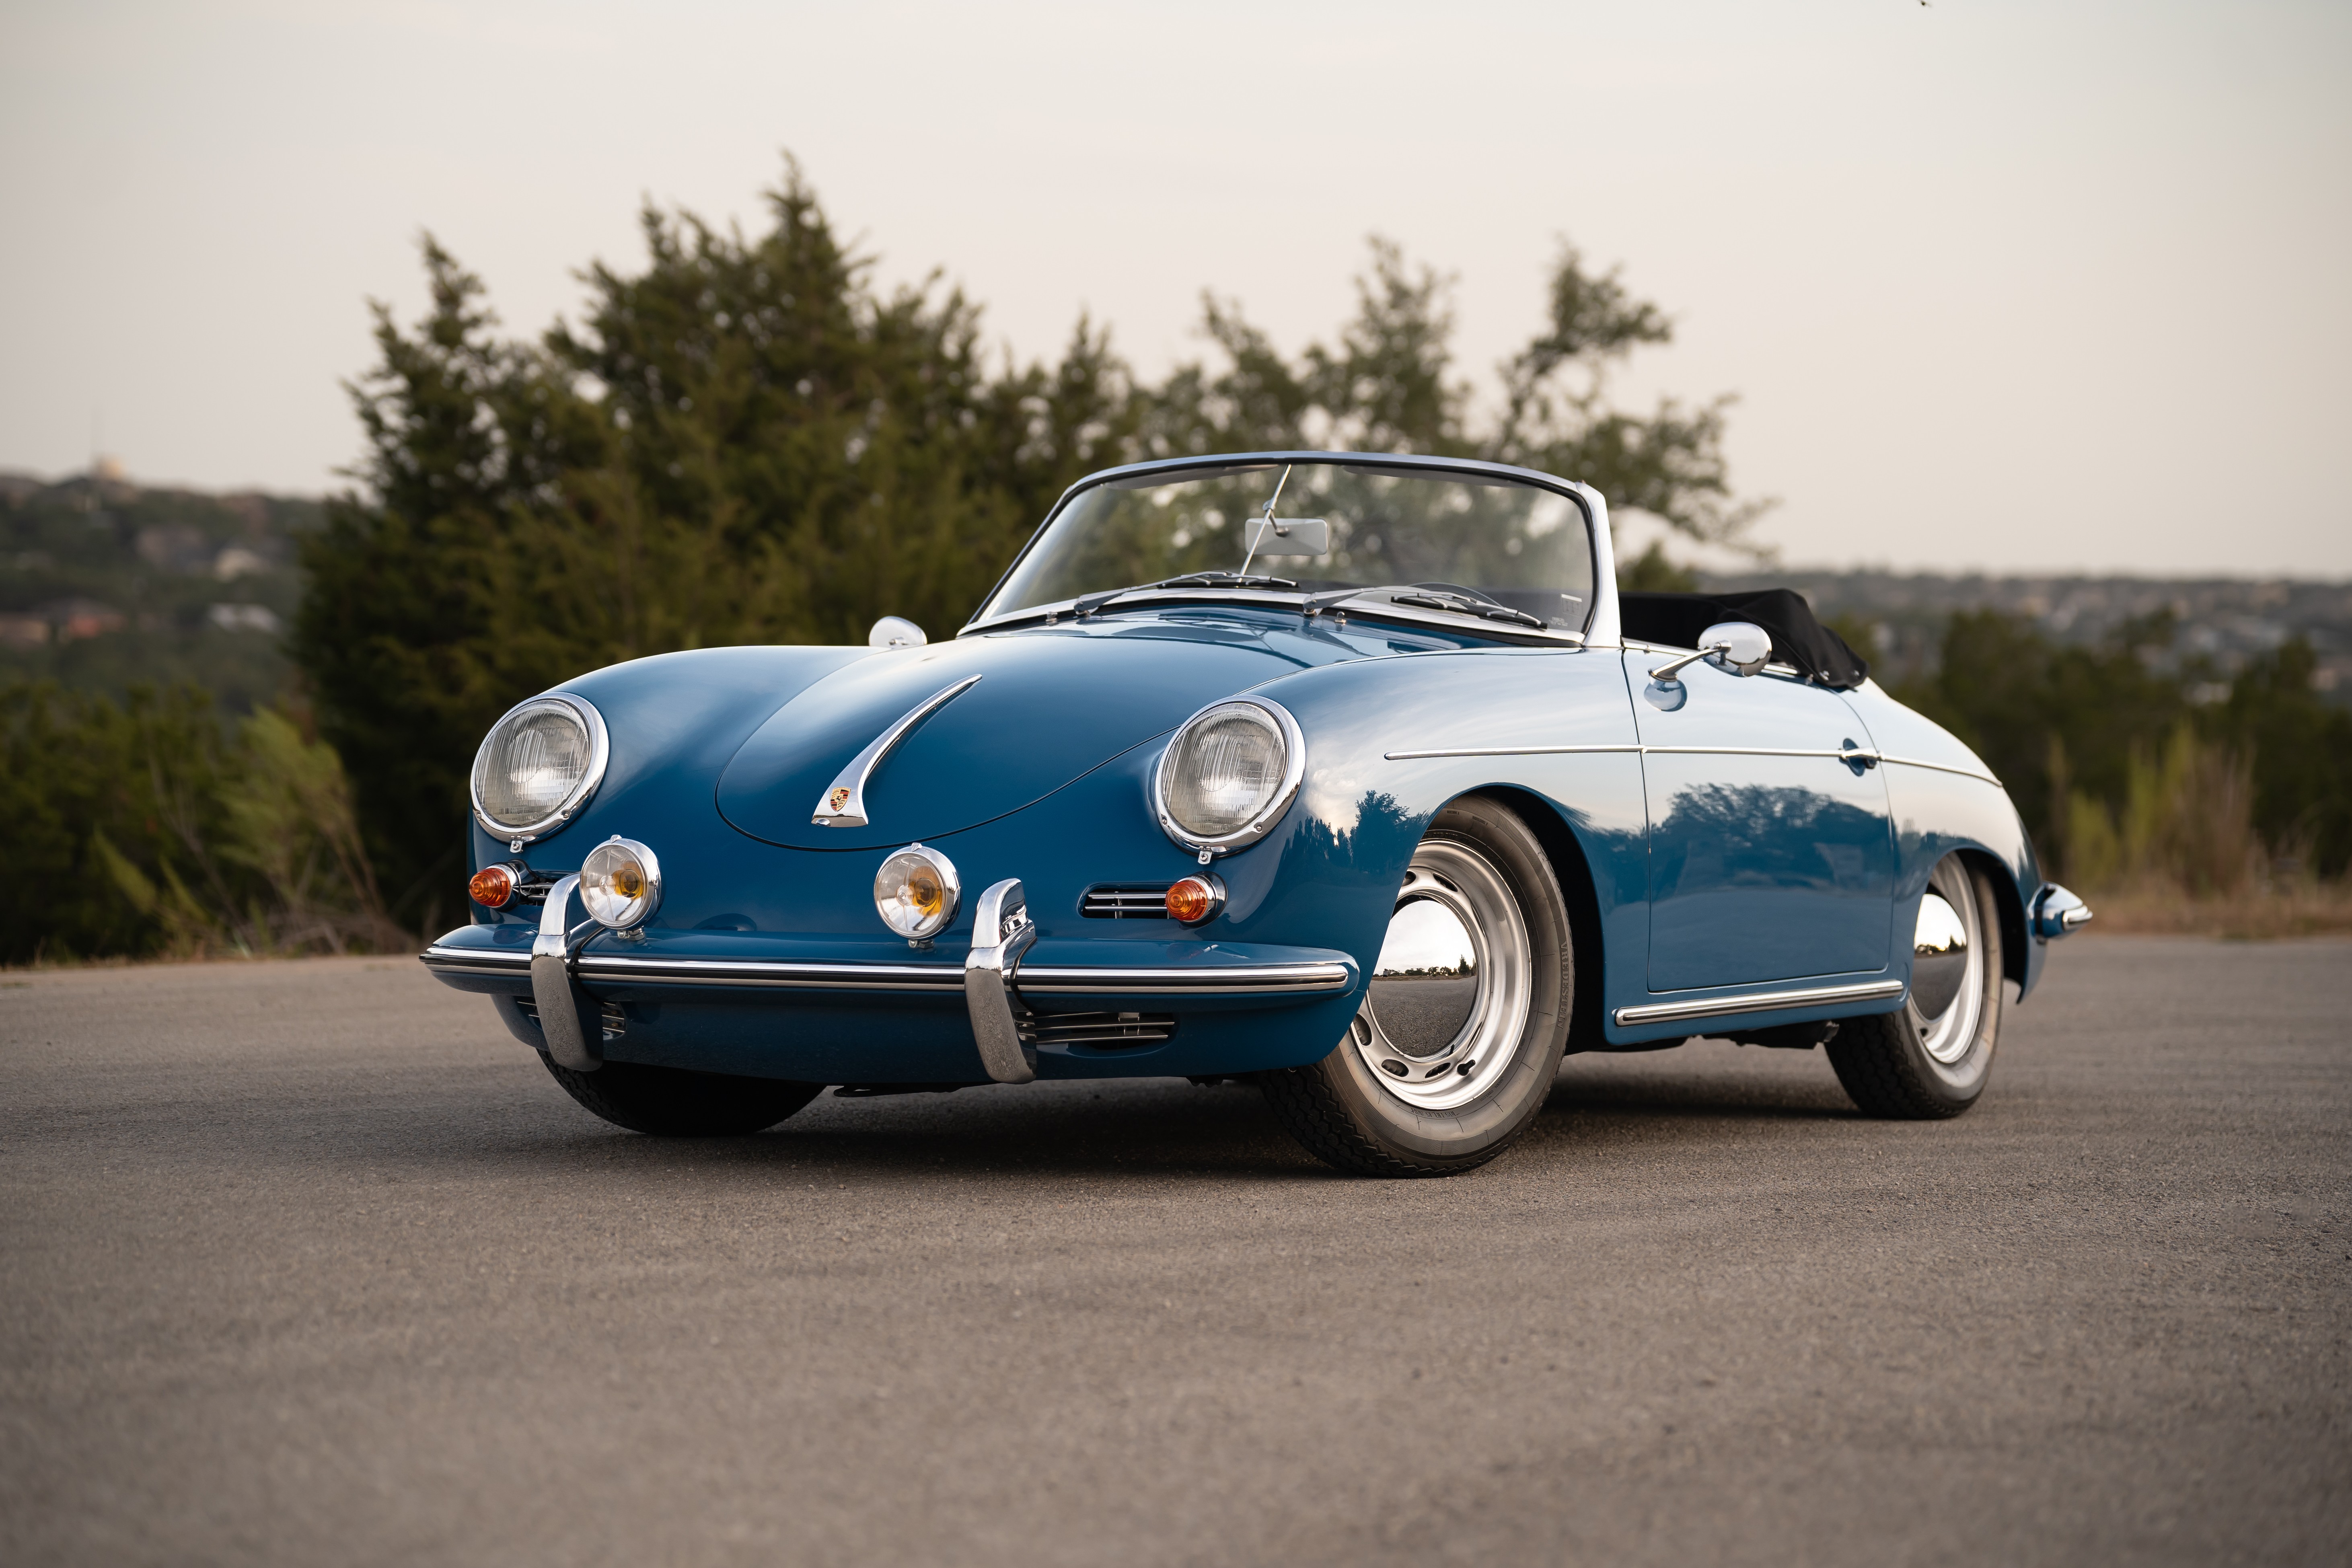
x=311 y=1263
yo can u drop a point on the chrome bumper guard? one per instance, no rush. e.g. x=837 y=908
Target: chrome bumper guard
x=572 y=1021
x=996 y=1007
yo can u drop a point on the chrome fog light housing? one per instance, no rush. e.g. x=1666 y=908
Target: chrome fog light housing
x=537 y=765
x=621 y=884
x=1228 y=775
x=916 y=892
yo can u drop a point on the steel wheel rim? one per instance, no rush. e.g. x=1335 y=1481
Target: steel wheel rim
x=1462 y=883
x=1949 y=1036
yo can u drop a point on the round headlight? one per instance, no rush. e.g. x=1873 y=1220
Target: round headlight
x=620 y=883
x=536 y=766
x=916 y=892
x=1229 y=773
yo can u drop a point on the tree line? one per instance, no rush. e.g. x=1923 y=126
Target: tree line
x=748 y=439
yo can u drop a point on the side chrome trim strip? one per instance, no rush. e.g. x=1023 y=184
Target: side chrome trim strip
x=843 y=804
x=1502 y=752
x=1862 y=754
x=1941 y=768
x=1758 y=1002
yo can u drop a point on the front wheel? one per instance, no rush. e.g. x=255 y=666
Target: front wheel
x=670 y=1102
x=1465 y=1021
x=1933 y=1057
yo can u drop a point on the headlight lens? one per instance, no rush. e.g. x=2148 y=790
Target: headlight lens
x=537 y=764
x=1227 y=774
x=620 y=883
x=916 y=892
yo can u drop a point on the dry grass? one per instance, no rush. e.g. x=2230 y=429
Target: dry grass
x=2252 y=914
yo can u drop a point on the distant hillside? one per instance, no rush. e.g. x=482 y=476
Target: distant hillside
x=105 y=583
x=2221 y=619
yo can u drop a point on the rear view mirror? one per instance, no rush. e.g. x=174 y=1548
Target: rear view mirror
x=1288 y=536
x=895 y=631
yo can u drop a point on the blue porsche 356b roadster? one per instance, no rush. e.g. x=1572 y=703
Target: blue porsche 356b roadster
x=1354 y=776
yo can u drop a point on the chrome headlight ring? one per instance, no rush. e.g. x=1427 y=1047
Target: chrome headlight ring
x=599 y=752
x=1294 y=774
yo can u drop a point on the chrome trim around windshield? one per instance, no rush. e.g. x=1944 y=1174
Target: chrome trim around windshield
x=1601 y=626
x=1758 y=1002
x=843 y=804
x=600 y=753
x=1294 y=774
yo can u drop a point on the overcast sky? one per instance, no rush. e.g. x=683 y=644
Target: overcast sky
x=2002 y=286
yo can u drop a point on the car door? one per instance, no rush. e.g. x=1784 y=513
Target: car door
x=1771 y=857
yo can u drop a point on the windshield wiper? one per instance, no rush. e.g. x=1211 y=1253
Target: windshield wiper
x=1087 y=604
x=1465 y=604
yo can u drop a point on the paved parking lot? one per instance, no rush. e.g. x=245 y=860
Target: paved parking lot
x=309 y=1263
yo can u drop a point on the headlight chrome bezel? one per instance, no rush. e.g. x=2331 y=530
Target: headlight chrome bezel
x=1294 y=774
x=600 y=749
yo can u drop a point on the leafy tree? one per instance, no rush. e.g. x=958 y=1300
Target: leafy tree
x=142 y=828
x=2302 y=748
x=748 y=441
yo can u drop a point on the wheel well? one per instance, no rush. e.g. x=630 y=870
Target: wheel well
x=2013 y=933
x=1574 y=874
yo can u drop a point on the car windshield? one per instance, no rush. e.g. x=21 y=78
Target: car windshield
x=1370 y=527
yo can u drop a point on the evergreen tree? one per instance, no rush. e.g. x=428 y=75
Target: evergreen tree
x=748 y=441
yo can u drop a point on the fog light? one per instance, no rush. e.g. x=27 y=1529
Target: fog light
x=620 y=883
x=492 y=887
x=916 y=892
x=1195 y=899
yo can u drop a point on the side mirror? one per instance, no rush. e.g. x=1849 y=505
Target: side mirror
x=895 y=631
x=1734 y=646
x=1738 y=646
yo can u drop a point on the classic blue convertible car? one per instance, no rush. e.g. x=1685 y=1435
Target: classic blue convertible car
x=1353 y=776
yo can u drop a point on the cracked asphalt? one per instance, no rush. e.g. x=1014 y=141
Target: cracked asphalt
x=309 y=1262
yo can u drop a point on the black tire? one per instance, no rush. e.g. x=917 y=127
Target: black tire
x=669 y=1103
x=1882 y=1061
x=1346 y=1113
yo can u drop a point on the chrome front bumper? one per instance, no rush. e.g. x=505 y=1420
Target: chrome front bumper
x=998 y=984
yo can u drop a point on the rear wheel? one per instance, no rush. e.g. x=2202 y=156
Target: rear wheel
x=1461 y=1028
x=1933 y=1057
x=670 y=1102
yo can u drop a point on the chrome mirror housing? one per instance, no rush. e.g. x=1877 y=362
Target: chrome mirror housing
x=895 y=631
x=1739 y=646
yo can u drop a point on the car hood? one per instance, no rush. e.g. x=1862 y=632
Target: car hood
x=1051 y=703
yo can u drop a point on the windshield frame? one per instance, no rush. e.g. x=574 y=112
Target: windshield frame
x=1360 y=605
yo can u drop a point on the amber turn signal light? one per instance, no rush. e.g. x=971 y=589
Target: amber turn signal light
x=492 y=887
x=1195 y=899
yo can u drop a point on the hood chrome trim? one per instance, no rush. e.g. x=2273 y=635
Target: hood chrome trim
x=843 y=804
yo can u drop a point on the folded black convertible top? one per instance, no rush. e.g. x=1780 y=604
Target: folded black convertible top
x=1677 y=620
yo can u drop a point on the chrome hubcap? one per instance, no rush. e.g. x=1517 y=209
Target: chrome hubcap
x=1450 y=992
x=1947 y=1000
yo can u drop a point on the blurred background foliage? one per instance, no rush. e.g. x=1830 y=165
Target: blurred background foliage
x=748 y=440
